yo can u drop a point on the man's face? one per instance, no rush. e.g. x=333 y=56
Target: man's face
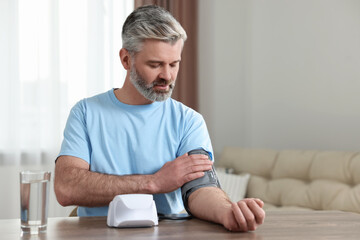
x=154 y=69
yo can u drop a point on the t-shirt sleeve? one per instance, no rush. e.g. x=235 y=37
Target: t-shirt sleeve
x=195 y=135
x=76 y=139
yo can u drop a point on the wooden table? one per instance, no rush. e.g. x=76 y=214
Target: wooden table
x=278 y=225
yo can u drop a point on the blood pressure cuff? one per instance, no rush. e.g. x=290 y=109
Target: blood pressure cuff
x=208 y=180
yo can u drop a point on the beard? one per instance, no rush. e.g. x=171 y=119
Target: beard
x=147 y=90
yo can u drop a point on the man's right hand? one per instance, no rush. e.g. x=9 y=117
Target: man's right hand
x=183 y=169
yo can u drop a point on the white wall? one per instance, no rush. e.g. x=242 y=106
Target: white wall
x=281 y=74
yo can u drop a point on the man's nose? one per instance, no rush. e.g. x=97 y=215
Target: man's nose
x=165 y=73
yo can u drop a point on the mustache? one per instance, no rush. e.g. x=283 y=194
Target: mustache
x=163 y=82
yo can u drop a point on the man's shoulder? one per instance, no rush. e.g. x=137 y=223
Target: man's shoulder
x=179 y=105
x=93 y=102
x=100 y=97
x=183 y=109
x=97 y=99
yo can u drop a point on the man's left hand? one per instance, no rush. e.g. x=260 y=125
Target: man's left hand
x=244 y=215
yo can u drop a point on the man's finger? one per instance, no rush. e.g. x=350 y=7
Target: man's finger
x=199 y=168
x=258 y=212
x=258 y=201
x=248 y=215
x=192 y=176
x=239 y=216
x=197 y=164
x=196 y=157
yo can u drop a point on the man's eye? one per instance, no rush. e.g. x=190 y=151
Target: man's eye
x=154 y=65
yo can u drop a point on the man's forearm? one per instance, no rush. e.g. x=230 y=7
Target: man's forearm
x=85 y=188
x=75 y=184
x=209 y=203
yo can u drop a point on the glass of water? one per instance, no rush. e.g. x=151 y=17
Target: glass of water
x=34 y=200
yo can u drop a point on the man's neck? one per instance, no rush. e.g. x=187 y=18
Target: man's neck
x=128 y=94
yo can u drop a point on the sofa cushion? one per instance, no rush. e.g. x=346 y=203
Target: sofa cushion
x=270 y=207
x=254 y=162
x=320 y=180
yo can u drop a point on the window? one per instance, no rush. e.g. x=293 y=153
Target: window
x=54 y=53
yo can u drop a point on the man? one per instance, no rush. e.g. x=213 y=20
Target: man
x=136 y=139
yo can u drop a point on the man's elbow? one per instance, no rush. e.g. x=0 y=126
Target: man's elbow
x=62 y=195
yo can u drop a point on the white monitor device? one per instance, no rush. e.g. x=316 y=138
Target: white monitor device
x=132 y=210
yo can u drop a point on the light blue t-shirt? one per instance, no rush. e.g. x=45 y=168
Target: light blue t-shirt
x=120 y=139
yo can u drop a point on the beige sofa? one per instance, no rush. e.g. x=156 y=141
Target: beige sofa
x=302 y=180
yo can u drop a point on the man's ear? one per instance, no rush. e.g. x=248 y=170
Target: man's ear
x=125 y=58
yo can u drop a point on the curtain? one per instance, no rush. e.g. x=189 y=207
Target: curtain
x=185 y=11
x=53 y=53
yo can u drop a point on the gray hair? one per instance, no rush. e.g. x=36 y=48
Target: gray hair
x=150 y=22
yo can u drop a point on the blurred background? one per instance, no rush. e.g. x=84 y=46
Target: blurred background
x=273 y=74
x=281 y=74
